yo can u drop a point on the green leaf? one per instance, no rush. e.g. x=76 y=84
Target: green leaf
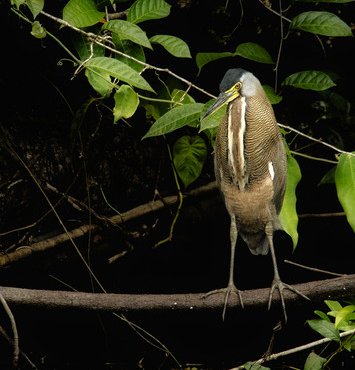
x=347 y=327
x=189 y=155
x=252 y=51
x=271 y=94
x=309 y=80
x=345 y=185
x=214 y=119
x=343 y=315
x=85 y=48
x=314 y=362
x=128 y=31
x=322 y=315
x=126 y=103
x=204 y=58
x=248 y=50
x=173 y=45
x=333 y=305
x=347 y=345
x=144 y=10
x=332 y=313
x=132 y=49
x=174 y=119
x=288 y=215
x=151 y=111
x=117 y=69
x=325 y=328
x=100 y=81
x=17 y=3
x=35 y=6
x=82 y=13
x=38 y=30
x=181 y=97
x=321 y=23
x=211 y=135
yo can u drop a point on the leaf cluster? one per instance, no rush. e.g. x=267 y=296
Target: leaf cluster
x=330 y=325
x=113 y=51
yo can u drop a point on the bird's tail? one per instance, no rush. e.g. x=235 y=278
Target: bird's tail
x=257 y=242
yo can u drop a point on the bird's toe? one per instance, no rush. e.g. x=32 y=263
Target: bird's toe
x=231 y=288
x=281 y=286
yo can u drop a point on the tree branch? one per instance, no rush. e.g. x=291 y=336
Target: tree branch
x=290 y=351
x=134 y=213
x=317 y=291
x=139 y=211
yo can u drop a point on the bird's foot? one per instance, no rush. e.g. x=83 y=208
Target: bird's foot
x=231 y=288
x=278 y=284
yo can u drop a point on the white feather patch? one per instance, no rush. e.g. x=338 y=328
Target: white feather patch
x=230 y=143
x=236 y=143
x=241 y=137
x=271 y=170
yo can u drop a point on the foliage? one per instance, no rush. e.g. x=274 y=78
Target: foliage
x=344 y=181
x=189 y=155
x=253 y=366
x=309 y=80
x=343 y=321
x=288 y=214
x=247 y=50
x=113 y=55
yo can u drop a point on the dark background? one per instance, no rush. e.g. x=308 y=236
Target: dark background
x=37 y=121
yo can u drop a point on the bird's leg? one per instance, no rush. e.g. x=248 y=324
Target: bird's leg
x=277 y=283
x=231 y=288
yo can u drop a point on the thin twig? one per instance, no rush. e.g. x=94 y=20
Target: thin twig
x=314 y=268
x=78 y=205
x=274 y=11
x=329 y=214
x=107 y=202
x=8 y=339
x=316 y=140
x=148 y=337
x=66 y=231
x=159 y=69
x=101 y=41
x=313 y=158
x=117 y=15
x=14 y=330
x=290 y=351
x=177 y=213
x=276 y=69
x=139 y=211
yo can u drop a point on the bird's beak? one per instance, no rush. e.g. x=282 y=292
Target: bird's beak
x=222 y=99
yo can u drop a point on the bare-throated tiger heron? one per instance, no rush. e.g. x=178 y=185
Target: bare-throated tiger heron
x=251 y=170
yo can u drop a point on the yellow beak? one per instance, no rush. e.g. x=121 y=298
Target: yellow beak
x=222 y=99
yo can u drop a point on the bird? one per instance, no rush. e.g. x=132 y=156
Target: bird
x=250 y=165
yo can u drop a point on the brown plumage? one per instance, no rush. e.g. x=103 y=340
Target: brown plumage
x=251 y=169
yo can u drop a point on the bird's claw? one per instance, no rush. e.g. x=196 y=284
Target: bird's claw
x=277 y=283
x=231 y=288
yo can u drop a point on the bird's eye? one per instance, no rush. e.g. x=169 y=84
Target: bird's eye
x=238 y=86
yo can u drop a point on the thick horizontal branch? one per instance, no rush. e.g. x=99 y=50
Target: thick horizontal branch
x=317 y=291
x=139 y=211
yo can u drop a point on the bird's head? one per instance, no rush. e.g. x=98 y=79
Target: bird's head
x=236 y=82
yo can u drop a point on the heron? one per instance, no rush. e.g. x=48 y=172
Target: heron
x=250 y=165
